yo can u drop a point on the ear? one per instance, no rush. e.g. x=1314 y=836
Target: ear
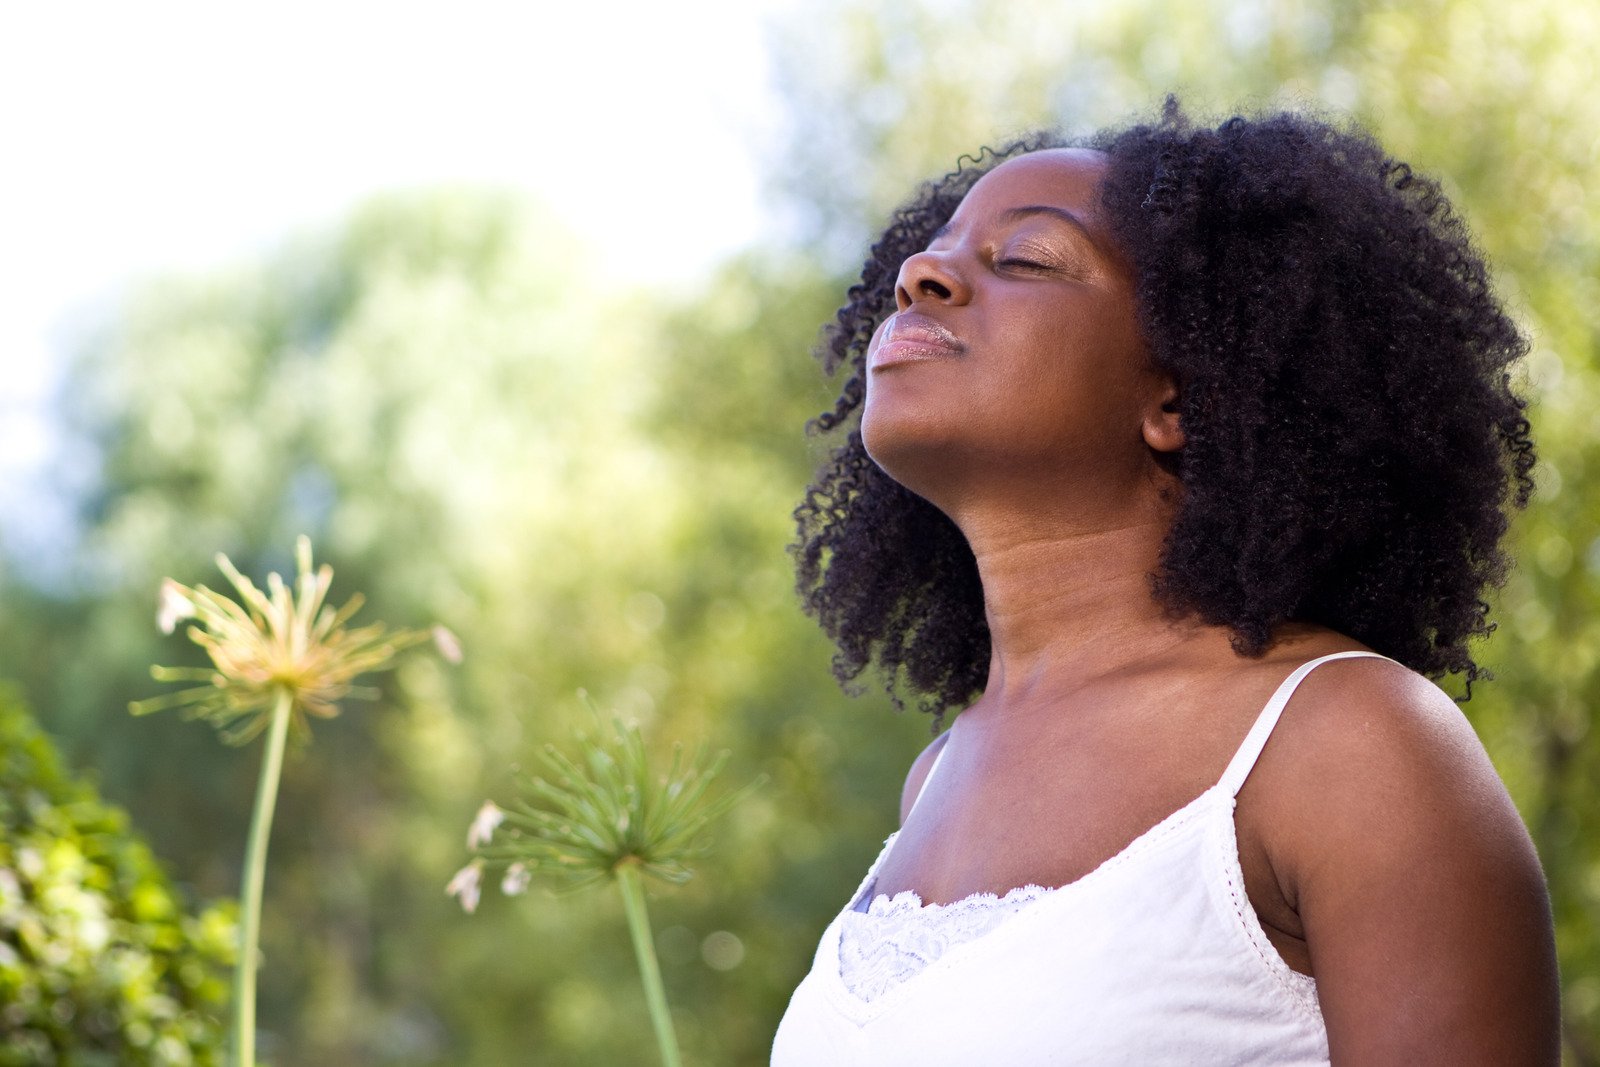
x=1161 y=428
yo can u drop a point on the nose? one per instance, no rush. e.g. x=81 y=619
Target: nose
x=929 y=276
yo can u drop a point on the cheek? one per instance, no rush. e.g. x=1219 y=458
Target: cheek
x=1082 y=376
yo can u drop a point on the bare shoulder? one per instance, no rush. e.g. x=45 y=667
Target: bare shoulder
x=920 y=768
x=1422 y=898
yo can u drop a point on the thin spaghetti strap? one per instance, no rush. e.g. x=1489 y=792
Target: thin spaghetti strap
x=923 y=788
x=1244 y=760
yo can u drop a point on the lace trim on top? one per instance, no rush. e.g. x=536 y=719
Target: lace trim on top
x=897 y=937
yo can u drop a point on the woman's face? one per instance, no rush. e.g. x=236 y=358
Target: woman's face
x=1015 y=358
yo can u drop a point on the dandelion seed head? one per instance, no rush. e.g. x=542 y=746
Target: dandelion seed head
x=267 y=643
x=586 y=818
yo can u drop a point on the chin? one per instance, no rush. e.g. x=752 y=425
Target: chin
x=915 y=451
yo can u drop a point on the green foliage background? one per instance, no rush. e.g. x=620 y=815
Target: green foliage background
x=592 y=488
x=100 y=963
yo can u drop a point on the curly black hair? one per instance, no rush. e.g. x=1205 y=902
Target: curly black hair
x=1353 y=443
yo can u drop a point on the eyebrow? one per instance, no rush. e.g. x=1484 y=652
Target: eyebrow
x=1072 y=218
x=1028 y=211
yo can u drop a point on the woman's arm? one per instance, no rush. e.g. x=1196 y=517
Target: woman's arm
x=1424 y=906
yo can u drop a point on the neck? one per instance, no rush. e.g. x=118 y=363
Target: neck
x=1066 y=605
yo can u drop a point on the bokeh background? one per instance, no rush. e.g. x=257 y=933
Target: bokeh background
x=511 y=310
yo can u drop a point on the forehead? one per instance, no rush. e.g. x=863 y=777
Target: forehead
x=1058 y=177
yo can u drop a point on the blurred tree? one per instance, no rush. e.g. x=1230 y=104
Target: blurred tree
x=588 y=497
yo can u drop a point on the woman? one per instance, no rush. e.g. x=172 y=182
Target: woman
x=1155 y=433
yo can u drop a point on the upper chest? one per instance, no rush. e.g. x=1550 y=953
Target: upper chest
x=1051 y=806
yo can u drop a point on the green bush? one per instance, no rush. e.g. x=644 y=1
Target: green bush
x=99 y=962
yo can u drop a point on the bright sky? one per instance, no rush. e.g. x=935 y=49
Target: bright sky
x=176 y=134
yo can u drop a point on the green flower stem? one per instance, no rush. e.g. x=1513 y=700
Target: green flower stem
x=255 y=872
x=632 y=887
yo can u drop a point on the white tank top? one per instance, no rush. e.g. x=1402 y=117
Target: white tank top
x=1154 y=957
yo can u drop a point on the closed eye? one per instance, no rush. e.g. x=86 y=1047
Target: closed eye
x=1011 y=263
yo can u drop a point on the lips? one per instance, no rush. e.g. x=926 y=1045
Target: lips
x=908 y=338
